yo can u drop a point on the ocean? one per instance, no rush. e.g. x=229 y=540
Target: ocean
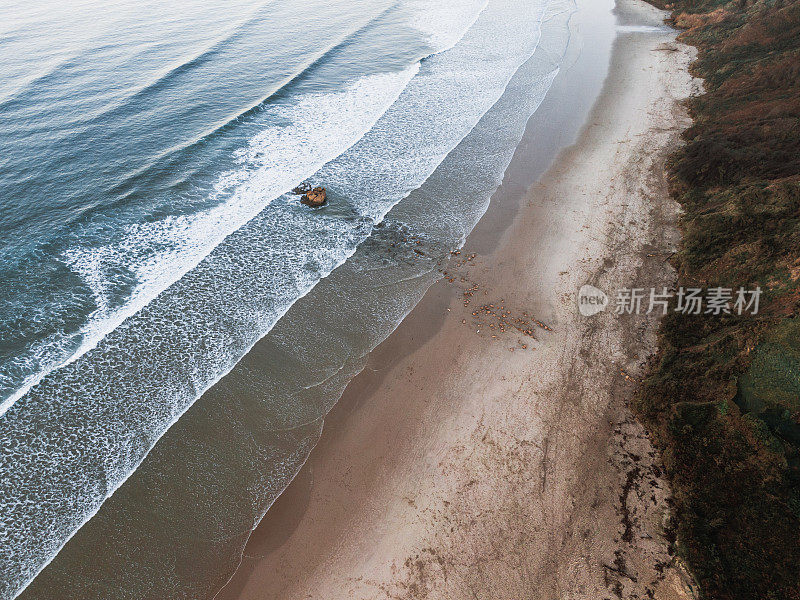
x=174 y=324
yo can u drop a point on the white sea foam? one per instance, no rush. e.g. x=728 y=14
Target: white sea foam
x=445 y=21
x=278 y=158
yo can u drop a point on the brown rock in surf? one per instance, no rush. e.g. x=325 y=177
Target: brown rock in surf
x=316 y=197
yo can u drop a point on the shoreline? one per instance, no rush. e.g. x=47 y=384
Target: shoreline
x=432 y=457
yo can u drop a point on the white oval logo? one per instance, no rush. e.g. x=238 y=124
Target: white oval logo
x=591 y=300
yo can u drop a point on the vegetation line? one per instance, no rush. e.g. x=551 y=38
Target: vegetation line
x=722 y=399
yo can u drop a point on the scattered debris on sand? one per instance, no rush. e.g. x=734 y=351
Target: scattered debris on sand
x=494 y=317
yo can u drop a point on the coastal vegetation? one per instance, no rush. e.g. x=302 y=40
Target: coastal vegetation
x=722 y=399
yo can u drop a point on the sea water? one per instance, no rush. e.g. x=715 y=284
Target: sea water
x=151 y=256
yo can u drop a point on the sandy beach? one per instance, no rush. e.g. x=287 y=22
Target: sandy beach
x=487 y=450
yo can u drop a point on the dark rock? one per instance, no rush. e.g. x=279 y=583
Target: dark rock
x=301 y=189
x=315 y=197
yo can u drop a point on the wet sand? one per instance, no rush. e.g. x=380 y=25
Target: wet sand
x=487 y=451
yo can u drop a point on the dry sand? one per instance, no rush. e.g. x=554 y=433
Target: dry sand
x=462 y=464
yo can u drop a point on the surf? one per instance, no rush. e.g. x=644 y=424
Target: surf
x=62 y=394
x=157 y=271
